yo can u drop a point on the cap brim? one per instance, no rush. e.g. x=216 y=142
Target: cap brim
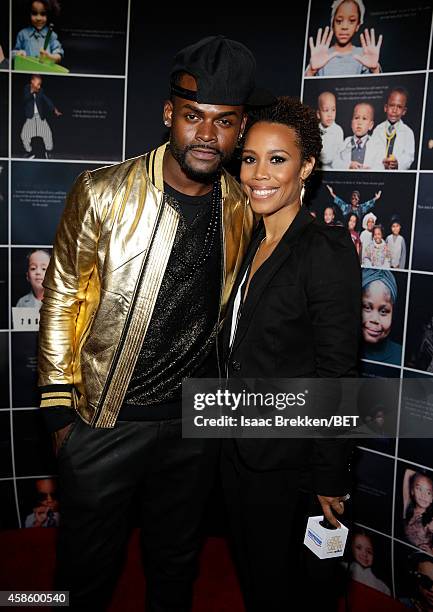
x=261 y=97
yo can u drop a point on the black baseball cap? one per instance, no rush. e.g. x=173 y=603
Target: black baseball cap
x=225 y=72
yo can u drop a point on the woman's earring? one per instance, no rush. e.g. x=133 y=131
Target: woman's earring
x=302 y=192
x=166 y=123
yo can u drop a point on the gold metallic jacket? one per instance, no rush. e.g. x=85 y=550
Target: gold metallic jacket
x=110 y=253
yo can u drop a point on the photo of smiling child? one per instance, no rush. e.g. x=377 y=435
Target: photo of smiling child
x=343 y=57
x=329 y=215
x=417 y=491
x=393 y=141
x=379 y=300
x=366 y=236
x=376 y=254
x=38 y=39
x=363 y=555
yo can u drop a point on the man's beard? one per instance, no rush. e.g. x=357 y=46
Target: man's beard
x=199 y=176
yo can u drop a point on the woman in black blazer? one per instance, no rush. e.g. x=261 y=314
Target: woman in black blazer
x=294 y=312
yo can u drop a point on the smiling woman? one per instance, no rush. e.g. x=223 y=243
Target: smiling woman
x=294 y=312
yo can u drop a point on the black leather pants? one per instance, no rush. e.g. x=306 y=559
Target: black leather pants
x=101 y=472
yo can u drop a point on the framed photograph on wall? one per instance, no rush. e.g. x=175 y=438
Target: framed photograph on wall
x=78 y=118
x=61 y=39
x=372 y=493
x=38 y=197
x=378 y=121
x=382 y=36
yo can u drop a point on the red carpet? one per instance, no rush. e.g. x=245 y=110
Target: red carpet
x=27 y=563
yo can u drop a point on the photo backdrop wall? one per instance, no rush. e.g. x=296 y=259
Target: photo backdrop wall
x=102 y=103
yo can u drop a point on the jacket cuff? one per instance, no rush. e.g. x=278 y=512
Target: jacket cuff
x=56 y=404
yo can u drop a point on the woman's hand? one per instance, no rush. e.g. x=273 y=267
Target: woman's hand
x=319 y=52
x=370 y=50
x=331 y=505
x=377 y=195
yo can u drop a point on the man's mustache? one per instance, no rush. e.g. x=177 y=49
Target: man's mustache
x=191 y=147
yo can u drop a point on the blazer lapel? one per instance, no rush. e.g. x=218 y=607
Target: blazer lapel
x=260 y=232
x=261 y=279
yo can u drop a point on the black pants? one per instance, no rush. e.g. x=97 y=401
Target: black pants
x=101 y=472
x=268 y=513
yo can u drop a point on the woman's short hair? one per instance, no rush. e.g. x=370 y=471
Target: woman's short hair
x=296 y=115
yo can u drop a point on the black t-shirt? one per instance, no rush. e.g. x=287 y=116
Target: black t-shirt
x=182 y=329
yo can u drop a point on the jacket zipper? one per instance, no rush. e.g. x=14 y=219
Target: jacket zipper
x=118 y=351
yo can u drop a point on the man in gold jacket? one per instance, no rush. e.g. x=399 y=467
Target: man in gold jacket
x=144 y=260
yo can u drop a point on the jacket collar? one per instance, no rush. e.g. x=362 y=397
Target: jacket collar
x=265 y=273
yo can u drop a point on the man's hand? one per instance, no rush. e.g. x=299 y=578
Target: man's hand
x=59 y=436
x=377 y=195
x=330 y=504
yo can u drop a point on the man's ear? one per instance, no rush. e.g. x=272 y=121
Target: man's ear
x=167 y=114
